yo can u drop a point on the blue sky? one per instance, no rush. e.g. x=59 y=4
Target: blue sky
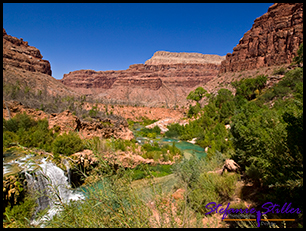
x=112 y=36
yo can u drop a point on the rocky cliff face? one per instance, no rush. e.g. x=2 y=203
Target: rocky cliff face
x=149 y=84
x=273 y=39
x=165 y=57
x=18 y=53
x=144 y=76
x=24 y=68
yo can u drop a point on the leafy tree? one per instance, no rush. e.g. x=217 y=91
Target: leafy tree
x=259 y=139
x=227 y=110
x=247 y=87
x=193 y=110
x=197 y=94
x=223 y=96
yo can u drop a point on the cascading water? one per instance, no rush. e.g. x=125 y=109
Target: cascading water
x=66 y=163
x=52 y=187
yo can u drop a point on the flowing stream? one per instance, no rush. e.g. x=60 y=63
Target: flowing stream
x=187 y=148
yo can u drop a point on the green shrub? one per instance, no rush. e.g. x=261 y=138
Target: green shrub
x=93 y=111
x=299 y=58
x=148 y=147
x=20 y=121
x=211 y=188
x=9 y=138
x=175 y=130
x=28 y=132
x=224 y=95
x=150 y=132
x=10 y=125
x=67 y=144
x=19 y=215
x=279 y=71
x=197 y=94
x=247 y=87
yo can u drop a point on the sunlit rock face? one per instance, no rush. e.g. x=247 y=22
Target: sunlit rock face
x=273 y=39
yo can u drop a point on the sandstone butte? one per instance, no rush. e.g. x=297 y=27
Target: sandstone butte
x=168 y=77
x=273 y=39
x=166 y=57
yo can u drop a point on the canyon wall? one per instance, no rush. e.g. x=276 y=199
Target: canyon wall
x=273 y=39
x=18 y=53
x=24 y=68
x=142 y=75
x=151 y=85
x=167 y=77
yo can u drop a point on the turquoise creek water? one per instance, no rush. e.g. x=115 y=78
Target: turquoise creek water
x=187 y=148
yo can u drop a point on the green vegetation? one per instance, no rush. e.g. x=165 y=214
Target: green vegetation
x=67 y=144
x=150 y=132
x=266 y=133
x=93 y=111
x=165 y=152
x=209 y=128
x=249 y=88
x=196 y=95
x=146 y=171
x=203 y=187
x=17 y=216
x=27 y=132
x=299 y=58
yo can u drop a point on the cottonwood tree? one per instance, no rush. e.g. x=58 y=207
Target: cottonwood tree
x=197 y=94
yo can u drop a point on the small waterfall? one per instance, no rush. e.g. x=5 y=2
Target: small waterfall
x=52 y=185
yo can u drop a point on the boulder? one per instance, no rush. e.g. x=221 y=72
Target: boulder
x=230 y=166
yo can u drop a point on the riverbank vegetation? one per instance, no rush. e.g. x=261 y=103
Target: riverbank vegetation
x=265 y=136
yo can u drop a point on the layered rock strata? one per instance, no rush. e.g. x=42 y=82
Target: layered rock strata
x=24 y=68
x=273 y=39
x=144 y=76
x=165 y=57
x=151 y=85
x=18 y=53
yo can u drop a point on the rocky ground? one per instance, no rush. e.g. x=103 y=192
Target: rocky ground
x=66 y=121
x=136 y=113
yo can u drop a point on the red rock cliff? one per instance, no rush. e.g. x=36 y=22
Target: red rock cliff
x=144 y=76
x=273 y=39
x=18 y=53
x=151 y=85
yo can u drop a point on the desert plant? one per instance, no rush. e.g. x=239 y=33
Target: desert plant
x=67 y=144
